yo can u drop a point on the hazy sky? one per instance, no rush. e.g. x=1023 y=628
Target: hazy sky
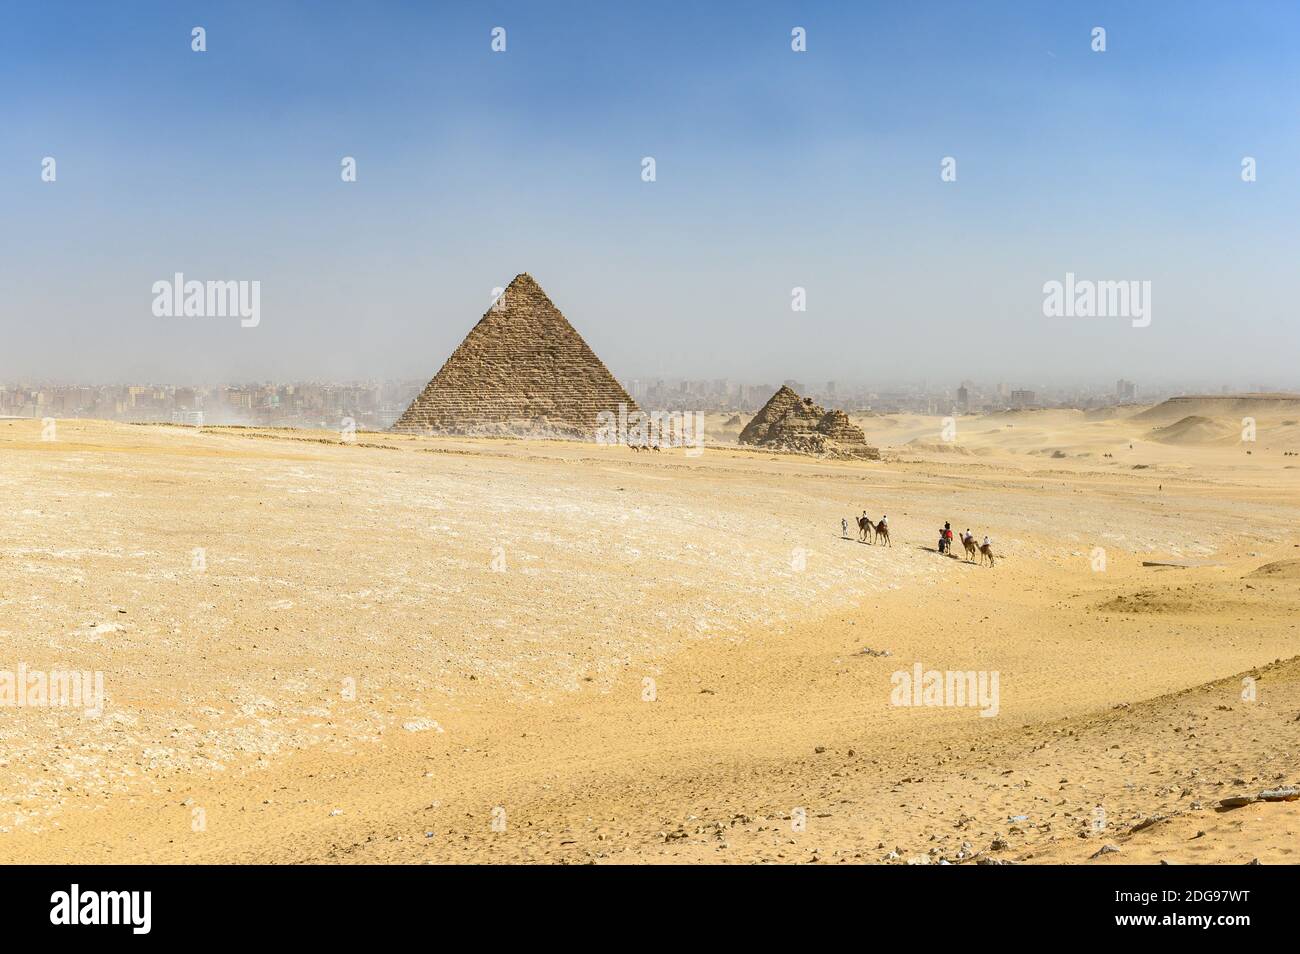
x=775 y=169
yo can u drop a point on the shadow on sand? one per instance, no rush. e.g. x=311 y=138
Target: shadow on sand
x=951 y=556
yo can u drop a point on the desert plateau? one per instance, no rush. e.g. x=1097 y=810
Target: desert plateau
x=399 y=648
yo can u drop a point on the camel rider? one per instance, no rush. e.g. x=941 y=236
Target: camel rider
x=987 y=541
x=884 y=520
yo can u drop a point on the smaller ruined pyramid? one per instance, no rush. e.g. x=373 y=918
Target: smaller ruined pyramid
x=784 y=413
x=789 y=422
x=521 y=371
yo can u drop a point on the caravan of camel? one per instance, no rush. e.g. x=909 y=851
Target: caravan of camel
x=873 y=532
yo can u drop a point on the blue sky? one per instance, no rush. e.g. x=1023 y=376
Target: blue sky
x=775 y=169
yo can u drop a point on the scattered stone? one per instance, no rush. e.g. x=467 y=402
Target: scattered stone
x=1105 y=850
x=1236 y=801
x=421 y=725
x=1288 y=793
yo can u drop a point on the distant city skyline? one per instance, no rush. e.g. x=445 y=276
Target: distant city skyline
x=376 y=405
x=888 y=205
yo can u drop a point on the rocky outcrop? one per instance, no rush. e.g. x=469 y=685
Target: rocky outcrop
x=791 y=423
x=522 y=371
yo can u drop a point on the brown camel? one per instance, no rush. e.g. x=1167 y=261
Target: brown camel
x=986 y=551
x=865 y=526
x=882 y=530
x=971 y=548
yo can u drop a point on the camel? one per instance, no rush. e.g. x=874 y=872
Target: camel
x=882 y=530
x=986 y=551
x=865 y=526
x=971 y=547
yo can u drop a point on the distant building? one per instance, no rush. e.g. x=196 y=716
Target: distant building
x=1125 y=390
x=1022 y=398
x=963 y=398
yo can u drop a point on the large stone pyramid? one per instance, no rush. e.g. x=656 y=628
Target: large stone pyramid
x=521 y=371
x=789 y=422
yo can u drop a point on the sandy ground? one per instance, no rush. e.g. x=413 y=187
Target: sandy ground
x=419 y=650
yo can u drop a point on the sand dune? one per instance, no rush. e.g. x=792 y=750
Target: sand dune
x=1195 y=429
x=1280 y=570
x=410 y=649
x=1212 y=405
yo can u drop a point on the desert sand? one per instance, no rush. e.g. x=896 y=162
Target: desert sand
x=407 y=649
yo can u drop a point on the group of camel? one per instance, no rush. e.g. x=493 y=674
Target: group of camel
x=972 y=548
x=869 y=532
